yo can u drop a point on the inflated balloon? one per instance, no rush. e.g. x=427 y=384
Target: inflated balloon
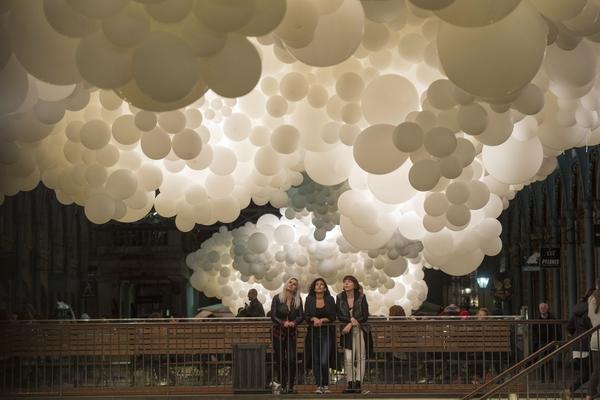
x=388 y=132
x=492 y=71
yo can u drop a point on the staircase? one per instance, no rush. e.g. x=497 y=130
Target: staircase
x=552 y=372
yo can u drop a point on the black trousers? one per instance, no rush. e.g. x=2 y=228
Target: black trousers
x=285 y=360
x=582 y=366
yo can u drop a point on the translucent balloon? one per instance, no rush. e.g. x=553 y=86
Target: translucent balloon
x=187 y=144
x=149 y=177
x=218 y=187
x=102 y=63
x=14 y=83
x=475 y=13
x=267 y=161
x=121 y=184
x=375 y=152
x=284 y=234
x=223 y=74
x=358 y=238
x=99 y=208
x=392 y=188
x=458 y=214
x=124 y=130
x=458 y=192
x=224 y=161
x=285 y=139
x=504 y=68
x=408 y=137
x=258 y=242
x=440 y=142
x=395 y=268
x=277 y=106
x=127 y=28
x=530 y=101
x=424 y=175
x=349 y=86
x=298 y=26
x=164 y=67
x=440 y=94
x=472 y=119
x=156 y=144
x=95 y=134
x=38 y=47
x=557 y=65
x=479 y=195
x=514 y=161
x=335 y=38
x=294 y=86
x=237 y=127
x=172 y=121
x=330 y=167
x=435 y=204
x=224 y=16
x=388 y=99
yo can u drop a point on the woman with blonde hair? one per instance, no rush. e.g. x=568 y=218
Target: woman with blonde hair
x=286 y=314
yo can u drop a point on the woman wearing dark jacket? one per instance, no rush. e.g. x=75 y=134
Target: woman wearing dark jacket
x=286 y=314
x=578 y=324
x=353 y=313
x=319 y=312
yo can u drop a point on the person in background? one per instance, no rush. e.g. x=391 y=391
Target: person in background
x=286 y=314
x=545 y=333
x=578 y=324
x=319 y=312
x=353 y=313
x=464 y=311
x=254 y=308
x=594 y=316
x=482 y=313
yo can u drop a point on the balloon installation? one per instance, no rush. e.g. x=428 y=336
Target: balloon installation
x=391 y=133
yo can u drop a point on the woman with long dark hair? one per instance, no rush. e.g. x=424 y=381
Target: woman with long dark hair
x=353 y=313
x=286 y=314
x=594 y=315
x=319 y=312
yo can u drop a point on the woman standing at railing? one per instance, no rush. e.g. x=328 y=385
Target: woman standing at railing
x=353 y=312
x=594 y=314
x=319 y=312
x=286 y=314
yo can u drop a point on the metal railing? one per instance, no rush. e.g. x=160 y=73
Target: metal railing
x=221 y=356
x=562 y=369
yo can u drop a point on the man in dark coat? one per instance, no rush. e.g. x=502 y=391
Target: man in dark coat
x=253 y=308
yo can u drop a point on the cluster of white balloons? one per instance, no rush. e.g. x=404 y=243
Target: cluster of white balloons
x=318 y=200
x=266 y=254
x=423 y=118
x=158 y=55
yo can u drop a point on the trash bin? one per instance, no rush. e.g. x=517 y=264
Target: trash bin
x=249 y=368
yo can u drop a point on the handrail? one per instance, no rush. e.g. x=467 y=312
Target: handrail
x=561 y=349
x=510 y=370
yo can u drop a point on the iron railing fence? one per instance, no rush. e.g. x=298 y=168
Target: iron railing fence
x=562 y=370
x=432 y=355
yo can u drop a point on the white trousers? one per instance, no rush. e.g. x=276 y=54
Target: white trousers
x=355 y=359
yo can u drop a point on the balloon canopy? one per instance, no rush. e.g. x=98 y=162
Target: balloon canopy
x=376 y=121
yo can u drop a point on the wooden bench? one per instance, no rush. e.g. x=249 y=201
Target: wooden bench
x=441 y=336
x=192 y=338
